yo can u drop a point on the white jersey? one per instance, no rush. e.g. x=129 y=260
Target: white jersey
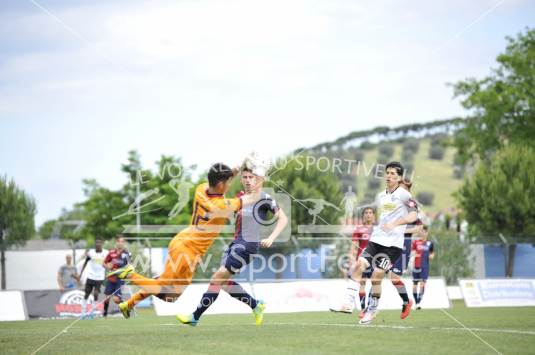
x=95 y=268
x=391 y=207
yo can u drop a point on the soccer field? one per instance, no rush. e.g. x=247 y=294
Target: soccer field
x=507 y=330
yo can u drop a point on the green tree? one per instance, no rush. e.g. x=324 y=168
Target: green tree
x=452 y=256
x=502 y=120
x=17 y=211
x=302 y=182
x=498 y=198
x=502 y=104
x=107 y=211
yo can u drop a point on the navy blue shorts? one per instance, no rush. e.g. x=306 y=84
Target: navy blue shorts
x=420 y=274
x=367 y=274
x=401 y=264
x=236 y=257
x=113 y=288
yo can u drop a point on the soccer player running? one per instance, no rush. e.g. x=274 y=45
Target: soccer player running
x=116 y=258
x=246 y=244
x=401 y=264
x=210 y=212
x=95 y=276
x=396 y=210
x=361 y=236
x=422 y=252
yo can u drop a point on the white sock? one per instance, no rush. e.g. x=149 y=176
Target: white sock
x=93 y=306
x=84 y=306
x=373 y=303
x=352 y=290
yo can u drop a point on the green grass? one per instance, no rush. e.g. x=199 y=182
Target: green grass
x=435 y=176
x=509 y=330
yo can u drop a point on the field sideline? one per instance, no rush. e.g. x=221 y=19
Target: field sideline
x=508 y=330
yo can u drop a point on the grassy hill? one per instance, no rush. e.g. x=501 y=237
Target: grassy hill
x=430 y=175
x=413 y=146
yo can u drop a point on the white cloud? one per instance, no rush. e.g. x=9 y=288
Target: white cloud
x=213 y=80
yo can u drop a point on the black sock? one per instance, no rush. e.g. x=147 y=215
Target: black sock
x=106 y=306
x=402 y=291
x=362 y=297
x=422 y=290
x=207 y=300
x=235 y=290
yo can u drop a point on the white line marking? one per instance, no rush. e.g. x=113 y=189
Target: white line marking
x=348 y=325
x=471 y=331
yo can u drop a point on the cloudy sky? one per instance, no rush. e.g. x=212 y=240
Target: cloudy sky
x=83 y=82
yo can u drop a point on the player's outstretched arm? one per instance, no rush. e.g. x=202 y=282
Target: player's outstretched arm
x=281 y=224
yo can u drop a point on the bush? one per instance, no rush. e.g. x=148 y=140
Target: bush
x=358 y=155
x=425 y=198
x=407 y=156
x=386 y=150
x=436 y=152
x=374 y=183
x=452 y=257
x=439 y=139
x=383 y=159
x=411 y=145
x=367 y=145
x=458 y=172
x=369 y=197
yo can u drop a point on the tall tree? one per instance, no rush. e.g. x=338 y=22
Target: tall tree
x=501 y=105
x=17 y=211
x=498 y=198
x=502 y=115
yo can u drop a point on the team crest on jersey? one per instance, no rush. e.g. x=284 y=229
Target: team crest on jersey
x=389 y=207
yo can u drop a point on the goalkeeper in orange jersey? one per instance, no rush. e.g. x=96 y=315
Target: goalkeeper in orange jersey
x=210 y=211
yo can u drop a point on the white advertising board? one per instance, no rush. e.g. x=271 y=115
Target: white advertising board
x=299 y=296
x=498 y=292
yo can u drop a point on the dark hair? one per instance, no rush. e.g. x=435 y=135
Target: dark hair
x=219 y=172
x=365 y=209
x=395 y=165
x=425 y=227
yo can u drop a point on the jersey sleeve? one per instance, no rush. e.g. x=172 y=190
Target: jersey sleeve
x=272 y=205
x=431 y=247
x=107 y=259
x=357 y=234
x=409 y=202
